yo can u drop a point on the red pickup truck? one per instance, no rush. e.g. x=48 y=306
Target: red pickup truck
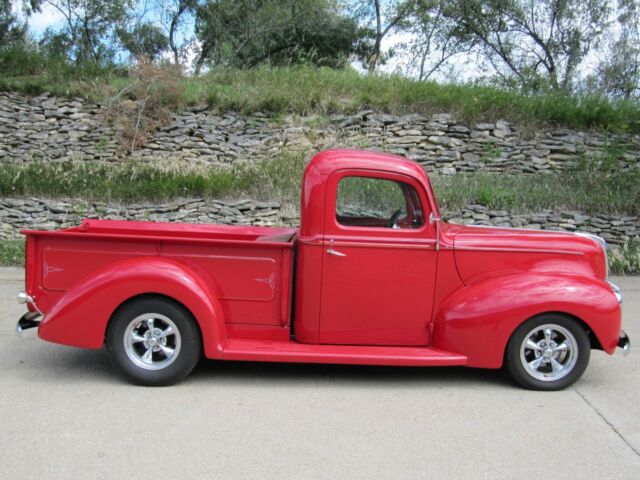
x=372 y=276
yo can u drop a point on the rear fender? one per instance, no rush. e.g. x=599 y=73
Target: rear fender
x=81 y=316
x=478 y=320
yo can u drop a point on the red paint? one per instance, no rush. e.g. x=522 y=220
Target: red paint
x=436 y=294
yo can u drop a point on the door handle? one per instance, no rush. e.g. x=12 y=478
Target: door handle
x=331 y=251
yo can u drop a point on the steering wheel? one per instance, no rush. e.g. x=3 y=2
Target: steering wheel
x=394 y=218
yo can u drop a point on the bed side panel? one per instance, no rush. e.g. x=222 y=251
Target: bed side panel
x=250 y=281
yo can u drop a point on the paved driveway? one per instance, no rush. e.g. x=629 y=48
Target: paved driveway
x=65 y=414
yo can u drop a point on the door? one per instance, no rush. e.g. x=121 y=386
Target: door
x=379 y=261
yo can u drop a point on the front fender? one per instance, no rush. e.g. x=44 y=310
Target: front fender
x=478 y=320
x=80 y=317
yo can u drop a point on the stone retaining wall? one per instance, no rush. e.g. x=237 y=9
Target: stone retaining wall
x=46 y=214
x=54 y=129
x=16 y=214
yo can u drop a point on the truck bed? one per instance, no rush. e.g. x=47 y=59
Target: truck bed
x=249 y=267
x=176 y=231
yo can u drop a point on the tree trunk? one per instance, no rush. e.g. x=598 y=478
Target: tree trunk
x=375 y=55
x=204 y=53
x=172 y=31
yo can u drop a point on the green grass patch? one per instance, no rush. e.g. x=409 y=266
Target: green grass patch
x=625 y=260
x=594 y=192
x=306 y=89
x=130 y=182
x=11 y=252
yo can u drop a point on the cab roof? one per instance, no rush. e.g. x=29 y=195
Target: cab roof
x=330 y=161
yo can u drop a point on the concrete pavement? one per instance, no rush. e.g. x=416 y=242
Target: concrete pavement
x=65 y=414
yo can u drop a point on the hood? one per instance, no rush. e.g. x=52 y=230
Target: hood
x=482 y=252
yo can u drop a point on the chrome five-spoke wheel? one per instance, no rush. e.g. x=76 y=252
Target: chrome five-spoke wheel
x=152 y=341
x=548 y=352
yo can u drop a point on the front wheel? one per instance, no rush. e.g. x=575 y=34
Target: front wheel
x=548 y=352
x=153 y=341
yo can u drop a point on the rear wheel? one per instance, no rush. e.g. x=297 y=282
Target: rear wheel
x=153 y=341
x=548 y=352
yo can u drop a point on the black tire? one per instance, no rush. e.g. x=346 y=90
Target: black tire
x=548 y=375
x=130 y=355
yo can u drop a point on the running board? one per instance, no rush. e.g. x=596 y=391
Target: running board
x=283 y=351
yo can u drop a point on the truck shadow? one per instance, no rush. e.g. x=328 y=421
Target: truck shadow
x=257 y=373
x=77 y=365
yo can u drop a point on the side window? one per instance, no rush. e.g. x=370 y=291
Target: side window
x=377 y=202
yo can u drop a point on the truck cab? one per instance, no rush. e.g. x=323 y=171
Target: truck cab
x=367 y=251
x=372 y=276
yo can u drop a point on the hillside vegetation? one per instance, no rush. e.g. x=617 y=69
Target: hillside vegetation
x=306 y=89
x=609 y=192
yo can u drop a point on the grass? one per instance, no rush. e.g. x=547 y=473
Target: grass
x=306 y=89
x=611 y=193
x=625 y=260
x=11 y=252
x=129 y=182
x=594 y=192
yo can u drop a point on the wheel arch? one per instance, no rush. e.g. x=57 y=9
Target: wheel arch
x=479 y=319
x=151 y=296
x=98 y=296
x=593 y=339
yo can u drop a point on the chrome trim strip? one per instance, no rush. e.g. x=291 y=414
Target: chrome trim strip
x=399 y=246
x=603 y=244
x=516 y=250
x=616 y=290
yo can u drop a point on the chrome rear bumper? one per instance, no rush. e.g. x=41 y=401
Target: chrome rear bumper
x=624 y=343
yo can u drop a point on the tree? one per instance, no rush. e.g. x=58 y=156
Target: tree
x=380 y=18
x=175 y=19
x=143 y=39
x=433 y=39
x=12 y=30
x=245 y=33
x=618 y=73
x=91 y=27
x=538 y=43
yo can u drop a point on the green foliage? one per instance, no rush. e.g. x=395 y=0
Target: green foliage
x=89 y=32
x=535 y=44
x=12 y=31
x=589 y=191
x=304 y=89
x=134 y=182
x=33 y=71
x=247 y=33
x=380 y=19
x=625 y=260
x=279 y=179
x=11 y=252
x=143 y=40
